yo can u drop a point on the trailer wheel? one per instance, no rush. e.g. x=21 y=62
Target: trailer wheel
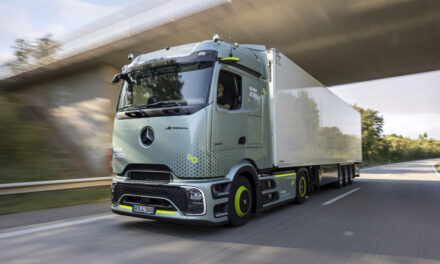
x=340 y=183
x=301 y=187
x=350 y=174
x=240 y=201
x=345 y=175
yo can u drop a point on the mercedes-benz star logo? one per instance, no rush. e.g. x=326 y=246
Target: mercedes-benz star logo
x=147 y=136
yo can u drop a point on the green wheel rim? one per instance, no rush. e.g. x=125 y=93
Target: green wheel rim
x=302 y=183
x=238 y=199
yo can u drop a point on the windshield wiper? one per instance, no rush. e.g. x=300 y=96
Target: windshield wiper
x=168 y=103
x=131 y=110
x=164 y=103
x=136 y=113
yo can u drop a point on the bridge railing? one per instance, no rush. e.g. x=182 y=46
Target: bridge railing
x=120 y=25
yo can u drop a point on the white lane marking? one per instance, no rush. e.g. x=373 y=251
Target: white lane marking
x=53 y=226
x=341 y=196
x=386 y=175
x=435 y=170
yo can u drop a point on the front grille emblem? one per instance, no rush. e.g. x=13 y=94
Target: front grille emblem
x=147 y=136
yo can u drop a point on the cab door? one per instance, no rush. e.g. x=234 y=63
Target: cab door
x=229 y=116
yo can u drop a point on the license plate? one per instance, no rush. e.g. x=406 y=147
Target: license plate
x=143 y=209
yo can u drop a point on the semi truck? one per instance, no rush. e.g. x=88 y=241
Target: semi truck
x=213 y=132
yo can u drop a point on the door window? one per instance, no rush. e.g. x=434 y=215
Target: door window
x=229 y=91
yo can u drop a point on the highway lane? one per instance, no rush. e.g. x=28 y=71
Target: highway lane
x=391 y=216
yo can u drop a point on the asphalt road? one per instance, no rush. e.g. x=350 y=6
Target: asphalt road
x=391 y=214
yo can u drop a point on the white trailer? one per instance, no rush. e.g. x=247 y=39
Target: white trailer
x=310 y=124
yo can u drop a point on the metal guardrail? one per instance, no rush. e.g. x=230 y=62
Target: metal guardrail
x=40 y=186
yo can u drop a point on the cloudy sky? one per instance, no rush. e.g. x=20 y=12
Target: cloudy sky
x=410 y=104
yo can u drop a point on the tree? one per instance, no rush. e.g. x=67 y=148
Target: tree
x=28 y=52
x=379 y=148
x=374 y=147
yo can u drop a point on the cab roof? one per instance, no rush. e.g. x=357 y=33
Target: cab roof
x=251 y=56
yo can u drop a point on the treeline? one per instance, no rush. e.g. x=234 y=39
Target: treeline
x=379 y=148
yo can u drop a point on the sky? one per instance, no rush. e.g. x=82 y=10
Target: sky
x=409 y=104
x=34 y=19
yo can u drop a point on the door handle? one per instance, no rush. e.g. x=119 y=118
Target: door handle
x=242 y=141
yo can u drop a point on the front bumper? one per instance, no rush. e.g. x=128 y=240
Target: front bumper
x=163 y=193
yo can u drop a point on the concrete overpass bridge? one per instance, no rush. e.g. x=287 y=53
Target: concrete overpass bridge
x=338 y=42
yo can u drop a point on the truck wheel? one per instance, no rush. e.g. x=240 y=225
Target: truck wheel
x=340 y=181
x=301 y=187
x=345 y=173
x=350 y=174
x=240 y=201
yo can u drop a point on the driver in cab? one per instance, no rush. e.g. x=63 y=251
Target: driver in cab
x=223 y=100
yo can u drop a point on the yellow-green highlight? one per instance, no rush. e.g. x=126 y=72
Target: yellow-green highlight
x=129 y=207
x=230 y=59
x=165 y=212
x=285 y=175
x=238 y=211
x=302 y=181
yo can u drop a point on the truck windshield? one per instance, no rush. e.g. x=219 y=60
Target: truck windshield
x=177 y=85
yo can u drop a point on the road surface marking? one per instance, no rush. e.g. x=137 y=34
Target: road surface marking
x=53 y=226
x=386 y=175
x=435 y=170
x=341 y=196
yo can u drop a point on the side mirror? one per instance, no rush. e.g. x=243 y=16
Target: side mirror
x=229 y=60
x=117 y=78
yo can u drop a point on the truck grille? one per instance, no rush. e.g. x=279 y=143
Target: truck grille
x=175 y=194
x=149 y=176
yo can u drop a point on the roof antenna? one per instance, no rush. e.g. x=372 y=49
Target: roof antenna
x=216 y=38
x=130 y=56
x=167 y=47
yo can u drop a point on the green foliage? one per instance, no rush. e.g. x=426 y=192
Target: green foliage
x=27 y=52
x=27 y=149
x=15 y=203
x=377 y=148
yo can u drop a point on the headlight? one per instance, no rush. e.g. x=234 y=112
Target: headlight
x=195 y=202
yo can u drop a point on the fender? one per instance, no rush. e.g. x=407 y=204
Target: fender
x=247 y=167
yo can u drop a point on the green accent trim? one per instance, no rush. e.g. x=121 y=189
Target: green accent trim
x=264 y=91
x=238 y=211
x=165 y=212
x=193 y=159
x=303 y=181
x=285 y=175
x=230 y=59
x=125 y=206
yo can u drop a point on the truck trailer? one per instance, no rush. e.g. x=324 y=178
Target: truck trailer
x=213 y=132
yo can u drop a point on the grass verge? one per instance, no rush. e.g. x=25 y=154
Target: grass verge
x=16 y=203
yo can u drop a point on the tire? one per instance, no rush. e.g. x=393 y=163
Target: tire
x=340 y=183
x=301 y=187
x=345 y=175
x=350 y=174
x=240 y=202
